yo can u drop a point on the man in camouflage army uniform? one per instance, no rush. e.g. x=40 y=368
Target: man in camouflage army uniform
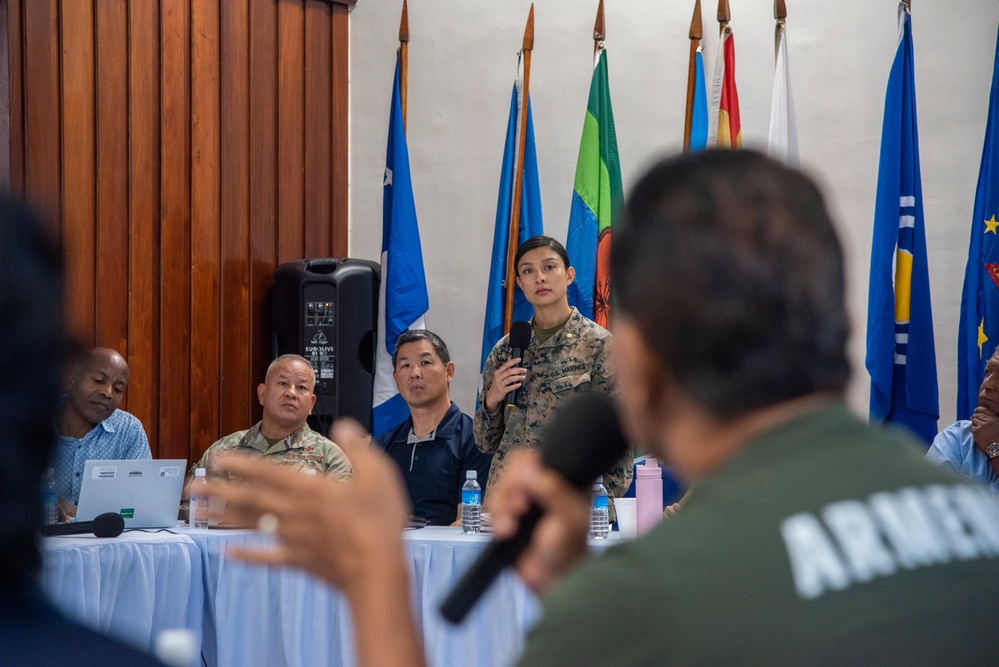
x=282 y=435
x=567 y=355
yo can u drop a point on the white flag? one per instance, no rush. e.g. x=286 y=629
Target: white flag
x=783 y=130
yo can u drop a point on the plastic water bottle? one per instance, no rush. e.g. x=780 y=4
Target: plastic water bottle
x=199 y=499
x=50 y=499
x=599 y=516
x=648 y=495
x=471 y=503
x=178 y=647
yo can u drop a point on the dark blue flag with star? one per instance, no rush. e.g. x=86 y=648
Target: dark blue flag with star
x=901 y=357
x=978 y=331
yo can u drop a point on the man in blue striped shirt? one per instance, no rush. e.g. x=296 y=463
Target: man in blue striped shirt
x=90 y=424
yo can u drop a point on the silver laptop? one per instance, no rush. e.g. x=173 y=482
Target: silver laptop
x=145 y=493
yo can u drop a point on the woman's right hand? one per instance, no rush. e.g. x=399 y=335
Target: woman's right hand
x=507 y=377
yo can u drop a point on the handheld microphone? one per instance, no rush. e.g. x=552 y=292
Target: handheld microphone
x=108 y=524
x=583 y=440
x=520 y=338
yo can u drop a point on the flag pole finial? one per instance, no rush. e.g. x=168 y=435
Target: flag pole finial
x=529 y=31
x=696 y=30
x=780 y=10
x=404 y=62
x=724 y=13
x=695 y=41
x=598 y=25
x=780 y=16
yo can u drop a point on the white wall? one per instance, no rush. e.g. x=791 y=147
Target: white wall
x=462 y=64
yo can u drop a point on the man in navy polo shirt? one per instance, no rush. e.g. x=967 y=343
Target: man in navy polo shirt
x=435 y=446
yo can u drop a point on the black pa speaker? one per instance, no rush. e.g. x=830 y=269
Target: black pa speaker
x=326 y=310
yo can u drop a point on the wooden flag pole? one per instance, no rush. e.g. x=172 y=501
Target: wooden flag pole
x=403 y=61
x=695 y=41
x=780 y=15
x=518 y=180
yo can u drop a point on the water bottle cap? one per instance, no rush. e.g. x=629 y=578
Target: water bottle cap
x=471 y=474
x=199 y=472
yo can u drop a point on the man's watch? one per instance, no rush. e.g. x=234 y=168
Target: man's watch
x=992 y=451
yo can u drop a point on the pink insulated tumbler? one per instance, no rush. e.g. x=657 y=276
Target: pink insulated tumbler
x=649 y=495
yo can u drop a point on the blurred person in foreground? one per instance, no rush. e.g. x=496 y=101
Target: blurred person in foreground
x=32 y=349
x=435 y=446
x=90 y=424
x=813 y=538
x=970 y=447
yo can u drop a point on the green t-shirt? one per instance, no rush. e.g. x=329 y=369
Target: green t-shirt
x=825 y=541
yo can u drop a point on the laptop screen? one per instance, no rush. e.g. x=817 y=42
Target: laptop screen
x=146 y=493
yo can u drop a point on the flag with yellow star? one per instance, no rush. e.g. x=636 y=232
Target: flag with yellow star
x=901 y=357
x=978 y=331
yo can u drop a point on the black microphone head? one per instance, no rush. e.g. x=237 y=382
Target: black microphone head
x=520 y=334
x=108 y=524
x=584 y=439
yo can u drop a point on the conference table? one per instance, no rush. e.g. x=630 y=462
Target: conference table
x=139 y=584
x=130 y=587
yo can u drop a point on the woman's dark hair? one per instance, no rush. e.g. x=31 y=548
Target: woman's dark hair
x=729 y=264
x=540 y=242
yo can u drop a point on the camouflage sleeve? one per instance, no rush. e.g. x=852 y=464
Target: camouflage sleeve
x=337 y=464
x=488 y=428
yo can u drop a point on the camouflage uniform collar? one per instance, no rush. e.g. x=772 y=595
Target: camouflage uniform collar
x=254 y=439
x=567 y=335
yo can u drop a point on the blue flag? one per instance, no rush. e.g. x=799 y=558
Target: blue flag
x=978 y=331
x=402 y=295
x=530 y=225
x=900 y=353
x=699 y=119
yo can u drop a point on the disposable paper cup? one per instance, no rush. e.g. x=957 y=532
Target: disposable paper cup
x=626 y=521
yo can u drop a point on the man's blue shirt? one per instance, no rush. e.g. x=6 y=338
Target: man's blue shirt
x=955 y=448
x=434 y=469
x=120 y=437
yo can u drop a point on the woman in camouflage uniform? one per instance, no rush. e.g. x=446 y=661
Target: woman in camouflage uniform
x=567 y=355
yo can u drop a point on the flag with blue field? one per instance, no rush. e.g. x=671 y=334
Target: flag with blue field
x=901 y=357
x=530 y=225
x=402 y=295
x=978 y=331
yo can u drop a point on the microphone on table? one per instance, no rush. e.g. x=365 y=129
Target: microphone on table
x=108 y=524
x=520 y=338
x=583 y=440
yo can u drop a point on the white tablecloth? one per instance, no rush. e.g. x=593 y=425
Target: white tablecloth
x=135 y=585
x=266 y=616
x=129 y=587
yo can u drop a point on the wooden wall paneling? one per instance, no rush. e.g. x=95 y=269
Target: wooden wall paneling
x=205 y=127
x=4 y=99
x=291 y=130
x=143 y=249
x=236 y=387
x=41 y=116
x=78 y=173
x=15 y=67
x=263 y=182
x=340 y=115
x=15 y=58
x=112 y=176
x=175 y=241
x=318 y=128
